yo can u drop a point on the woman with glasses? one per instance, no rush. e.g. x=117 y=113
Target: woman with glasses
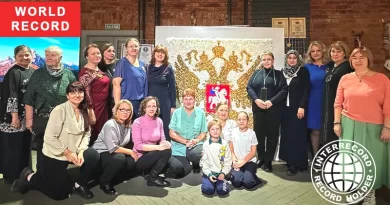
x=65 y=141
x=116 y=158
x=130 y=80
x=149 y=143
x=339 y=53
x=97 y=87
x=268 y=89
x=362 y=114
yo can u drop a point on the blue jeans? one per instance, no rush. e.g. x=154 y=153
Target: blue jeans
x=209 y=187
x=246 y=176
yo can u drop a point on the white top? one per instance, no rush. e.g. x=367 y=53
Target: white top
x=242 y=142
x=216 y=158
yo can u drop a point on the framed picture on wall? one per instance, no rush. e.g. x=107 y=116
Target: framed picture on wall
x=281 y=23
x=145 y=52
x=297 y=27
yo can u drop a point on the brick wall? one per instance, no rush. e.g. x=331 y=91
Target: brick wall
x=333 y=20
x=262 y=12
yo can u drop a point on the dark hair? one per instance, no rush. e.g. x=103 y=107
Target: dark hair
x=92 y=45
x=83 y=106
x=163 y=49
x=18 y=48
x=145 y=101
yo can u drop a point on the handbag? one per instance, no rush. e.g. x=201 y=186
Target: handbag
x=40 y=120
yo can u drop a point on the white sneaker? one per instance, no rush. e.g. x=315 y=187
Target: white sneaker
x=370 y=198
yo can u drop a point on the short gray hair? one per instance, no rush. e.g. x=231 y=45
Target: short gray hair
x=54 y=49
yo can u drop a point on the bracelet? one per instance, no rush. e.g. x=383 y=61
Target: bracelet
x=337 y=123
x=386 y=128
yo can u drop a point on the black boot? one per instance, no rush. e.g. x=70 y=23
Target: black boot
x=84 y=192
x=196 y=168
x=292 y=171
x=23 y=184
x=154 y=180
x=268 y=167
x=260 y=163
x=108 y=189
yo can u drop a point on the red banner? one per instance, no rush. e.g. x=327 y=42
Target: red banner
x=216 y=94
x=36 y=19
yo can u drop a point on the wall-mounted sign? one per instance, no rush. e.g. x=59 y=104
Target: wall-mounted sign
x=281 y=23
x=297 y=27
x=112 y=26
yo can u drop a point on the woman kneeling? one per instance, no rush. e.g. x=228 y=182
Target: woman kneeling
x=150 y=144
x=116 y=159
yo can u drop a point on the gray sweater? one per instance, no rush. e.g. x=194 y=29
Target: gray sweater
x=112 y=136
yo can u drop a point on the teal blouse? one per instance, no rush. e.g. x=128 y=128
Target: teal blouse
x=188 y=127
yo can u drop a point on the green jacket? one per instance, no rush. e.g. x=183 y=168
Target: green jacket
x=41 y=90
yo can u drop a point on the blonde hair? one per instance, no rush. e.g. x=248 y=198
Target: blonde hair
x=133 y=40
x=220 y=104
x=309 y=59
x=266 y=53
x=188 y=92
x=54 y=49
x=212 y=123
x=116 y=108
x=340 y=45
x=365 y=52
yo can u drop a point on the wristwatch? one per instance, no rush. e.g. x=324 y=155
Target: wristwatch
x=337 y=123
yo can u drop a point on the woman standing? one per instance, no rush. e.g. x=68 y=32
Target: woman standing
x=16 y=139
x=362 y=114
x=339 y=52
x=316 y=64
x=150 y=144
x=65 y=141
x=130 y=80
x=293 y=141
x=268 y=89
x=107 y=65
x=162 y=84
x=97 y=87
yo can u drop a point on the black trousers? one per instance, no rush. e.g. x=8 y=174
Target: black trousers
x=38 y=138
x=52 y=178
x=266 y=125
x=16 y=153
x=154 y=161
x=114 y=164
x=179 y=166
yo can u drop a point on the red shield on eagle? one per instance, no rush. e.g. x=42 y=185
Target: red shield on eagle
x=216 y=94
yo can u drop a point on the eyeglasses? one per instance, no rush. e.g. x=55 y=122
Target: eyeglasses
x=133 y=47
x=124 y=110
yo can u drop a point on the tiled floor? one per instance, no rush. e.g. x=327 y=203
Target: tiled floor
x=278 y=189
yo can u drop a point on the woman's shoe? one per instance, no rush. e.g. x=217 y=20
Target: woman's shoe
x=23 y=183
x=291 y=171
x=268 y=167
x=157 y=181
x=84 y=192
x=260 y=163
x=108 y=189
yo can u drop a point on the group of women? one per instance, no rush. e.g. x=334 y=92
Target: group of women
x=121 y=115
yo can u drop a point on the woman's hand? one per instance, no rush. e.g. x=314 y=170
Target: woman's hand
x=72 y=157
x=80 y=159
x=385 y=135
x=260 y=104
x=133 y=154
x=337 y=129
x=301 y=113
x=166 y=144
x=162 y=147
x=15 y=122
x=92 y=117
x=29 y=123
x=268 y=104
x=172 y=110
x=238 y=164
x=221 y=176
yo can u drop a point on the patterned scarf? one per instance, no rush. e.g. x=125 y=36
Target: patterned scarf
x=56 y=72
x=291 y=71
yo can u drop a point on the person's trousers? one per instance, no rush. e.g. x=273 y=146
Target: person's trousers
x=266 y=125
x=52 y=178
x=209 y=187
x=113 y=164
x=246 y=176
x=16 y=152
x=179 y=166
x=136 y=105
x=154 y=161
x=38 y=138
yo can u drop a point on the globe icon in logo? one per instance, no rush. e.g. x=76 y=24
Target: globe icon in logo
x=343 y=172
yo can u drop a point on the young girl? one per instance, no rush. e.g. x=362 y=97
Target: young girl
x=216 y=161
x=243 y=143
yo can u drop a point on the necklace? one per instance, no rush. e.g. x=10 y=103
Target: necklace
x=360 y=78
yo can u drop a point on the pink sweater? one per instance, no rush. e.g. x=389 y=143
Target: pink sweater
x=146 y=130
x=366 y=101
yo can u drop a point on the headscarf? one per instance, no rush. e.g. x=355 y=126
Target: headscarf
x=56 y=72
x=291 y=71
